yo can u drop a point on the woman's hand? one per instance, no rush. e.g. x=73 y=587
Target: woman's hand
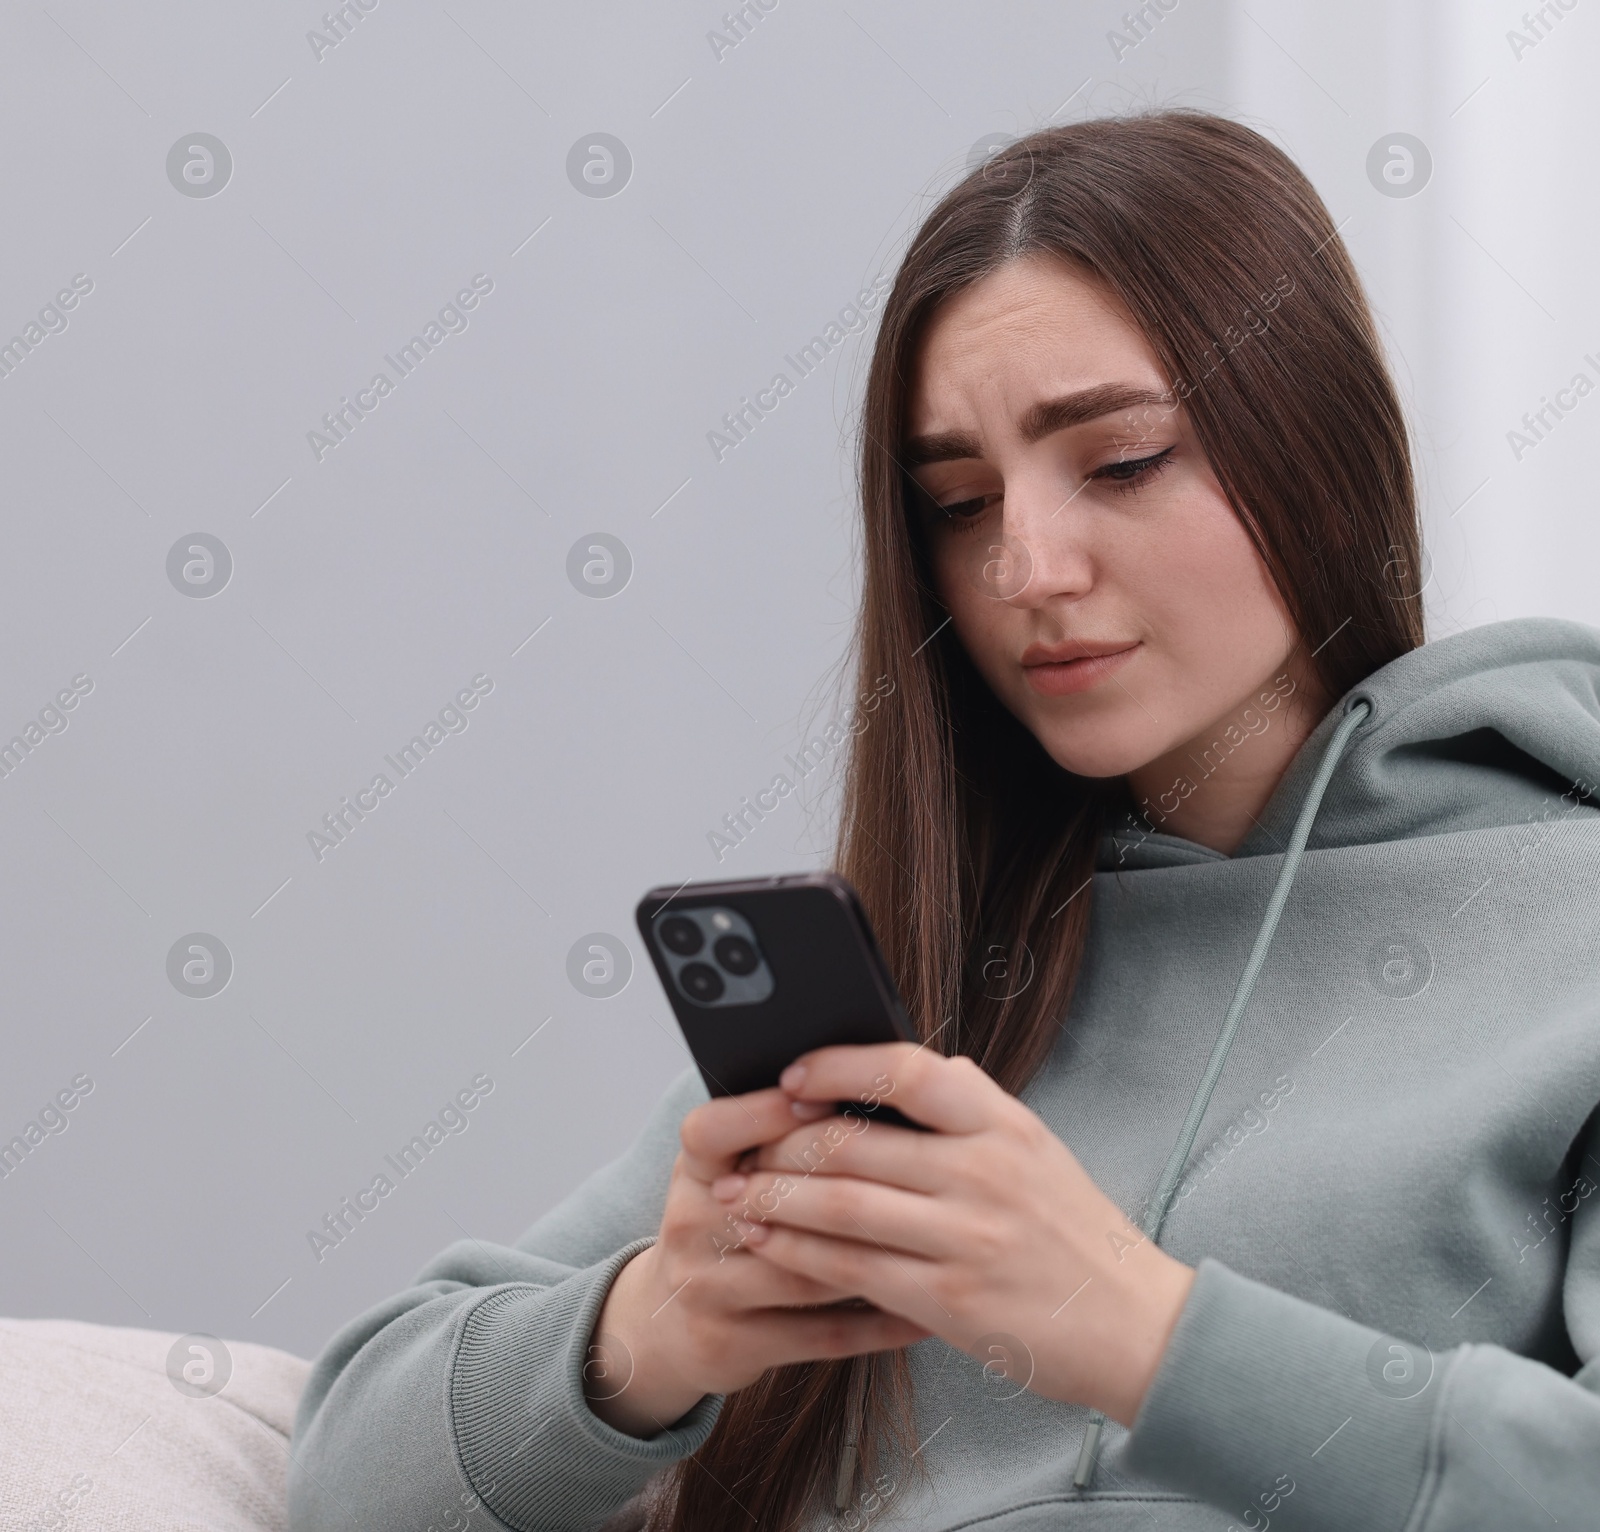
x=697 y=1313
x=987 y=1231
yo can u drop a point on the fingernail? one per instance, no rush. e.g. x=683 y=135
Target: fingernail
x=727 y=1188
x=793 y=1077
x=809 y=1111
x=756 y=1233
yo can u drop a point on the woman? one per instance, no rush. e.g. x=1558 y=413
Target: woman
x=1253 y=943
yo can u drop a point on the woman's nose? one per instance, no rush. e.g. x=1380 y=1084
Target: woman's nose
x=1040 y=551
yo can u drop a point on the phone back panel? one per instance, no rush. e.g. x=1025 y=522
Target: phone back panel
x=829 y=980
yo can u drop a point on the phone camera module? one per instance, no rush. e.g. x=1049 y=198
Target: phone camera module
x=736 y=955
x=701 y=982
x=681 y=935
x=711 y=955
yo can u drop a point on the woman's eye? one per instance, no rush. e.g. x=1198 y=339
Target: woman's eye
x=1126 y=473
x=962 y=512
x=967 y=512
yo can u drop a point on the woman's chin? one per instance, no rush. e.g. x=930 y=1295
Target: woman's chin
x=1100 y=758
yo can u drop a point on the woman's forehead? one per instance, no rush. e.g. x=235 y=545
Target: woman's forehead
x=1018 y=341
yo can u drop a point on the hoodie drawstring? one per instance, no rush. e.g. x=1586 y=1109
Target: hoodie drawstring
x=854 y=1409
x=1156 y=1215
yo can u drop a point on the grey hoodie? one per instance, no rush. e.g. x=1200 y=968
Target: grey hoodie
x=1389 y=1201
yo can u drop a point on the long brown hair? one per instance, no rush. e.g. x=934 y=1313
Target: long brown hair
x=964 y=839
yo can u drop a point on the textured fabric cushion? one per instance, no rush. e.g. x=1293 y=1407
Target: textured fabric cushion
x=94 y=1432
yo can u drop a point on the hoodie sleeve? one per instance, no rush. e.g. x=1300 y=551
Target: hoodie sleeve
x=1278 y=1411
x=459 y=1403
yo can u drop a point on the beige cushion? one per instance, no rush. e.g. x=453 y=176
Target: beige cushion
x=94 y=1432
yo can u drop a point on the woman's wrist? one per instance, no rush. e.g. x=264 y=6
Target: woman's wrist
x=1159 y=1298
x=628 y=1381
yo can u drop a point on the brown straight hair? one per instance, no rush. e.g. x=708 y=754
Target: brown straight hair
x=963 y=837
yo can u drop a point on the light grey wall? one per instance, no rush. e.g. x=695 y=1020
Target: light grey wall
x=771 y=182
x=1482 y=276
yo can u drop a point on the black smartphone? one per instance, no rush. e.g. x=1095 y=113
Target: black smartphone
x=762 y=970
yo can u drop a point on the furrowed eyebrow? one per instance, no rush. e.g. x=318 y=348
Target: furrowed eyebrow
x=1090 y=404
x=942 y=447
x=1039 y=421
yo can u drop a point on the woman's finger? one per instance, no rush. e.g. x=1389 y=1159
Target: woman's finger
x=857 y=1146
x=896 y=1282
x=949 y=1095
x=842 y=1206
x=756 y=1285
x=717 y=1132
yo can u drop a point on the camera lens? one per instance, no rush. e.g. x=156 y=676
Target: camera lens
x=681 y=935
x=736 y=955
x=701 y=982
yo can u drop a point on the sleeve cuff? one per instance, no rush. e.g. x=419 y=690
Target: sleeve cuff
x=529 y=1443
x=1256 y=1387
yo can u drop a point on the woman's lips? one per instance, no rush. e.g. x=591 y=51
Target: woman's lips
x=1060 y=678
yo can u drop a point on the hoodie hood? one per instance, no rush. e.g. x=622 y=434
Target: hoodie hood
x=1495 y=726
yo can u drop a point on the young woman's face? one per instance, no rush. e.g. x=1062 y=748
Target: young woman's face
x=1088 y=558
